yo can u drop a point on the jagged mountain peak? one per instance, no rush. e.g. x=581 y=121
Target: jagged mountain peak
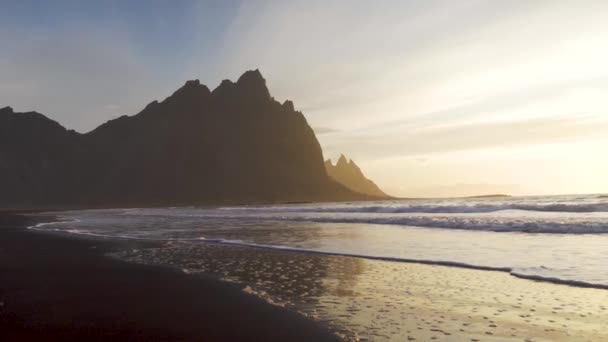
x=252 y=76
x=233 y=145
x=253 y=84
x=192 y=83
x=349 y=174
x=192 y=88
x=288 y=105
x=226 y=88
x=342 y=161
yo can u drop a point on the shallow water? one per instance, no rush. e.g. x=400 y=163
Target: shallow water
x=541 y=242
x=322 y=261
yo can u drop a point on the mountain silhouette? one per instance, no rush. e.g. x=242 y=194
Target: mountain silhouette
x=350 y=175
x=235 y=144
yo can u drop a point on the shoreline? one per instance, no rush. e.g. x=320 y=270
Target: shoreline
x=351 y=297
x=56 y=288
x=388 y=301
x=508 y=270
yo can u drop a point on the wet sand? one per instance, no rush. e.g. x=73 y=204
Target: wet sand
x=58 y=288
x=375 y=300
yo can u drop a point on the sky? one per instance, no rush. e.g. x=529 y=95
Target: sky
x=430 y=98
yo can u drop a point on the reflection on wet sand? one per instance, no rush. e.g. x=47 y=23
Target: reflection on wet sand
x=380 y=301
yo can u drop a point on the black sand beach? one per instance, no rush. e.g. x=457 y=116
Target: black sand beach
x=60 y=288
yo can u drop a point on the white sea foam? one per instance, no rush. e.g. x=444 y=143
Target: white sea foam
x=571 y=249
x=520 y=273
x=570 y=204
x=45 y=226
x=494 y=224
x=532 y=273
x=527 y=274
x=501 y=223
x=584 y=208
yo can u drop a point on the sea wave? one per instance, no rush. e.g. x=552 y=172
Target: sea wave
x=516 y=272
x=434 y=209
x=555 y=279
x=541 y=273
x=494 y=224
x=38 y=226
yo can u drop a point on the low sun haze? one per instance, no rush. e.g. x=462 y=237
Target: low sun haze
x=431 y=98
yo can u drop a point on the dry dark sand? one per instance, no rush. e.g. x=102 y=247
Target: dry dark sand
x=57 y=288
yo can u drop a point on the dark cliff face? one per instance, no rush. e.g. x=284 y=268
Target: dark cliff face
x=349 y=174
x=234 y=144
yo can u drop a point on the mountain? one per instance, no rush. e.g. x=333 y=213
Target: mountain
x=235 y=144
x=349 y=174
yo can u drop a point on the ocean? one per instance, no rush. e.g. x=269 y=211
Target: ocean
x=293 y=255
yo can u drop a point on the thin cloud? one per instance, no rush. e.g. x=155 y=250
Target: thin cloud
x=324 y=130
x=465 y=137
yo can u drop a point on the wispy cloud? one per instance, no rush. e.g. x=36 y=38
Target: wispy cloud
x=324 y=130
x=441 y=139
